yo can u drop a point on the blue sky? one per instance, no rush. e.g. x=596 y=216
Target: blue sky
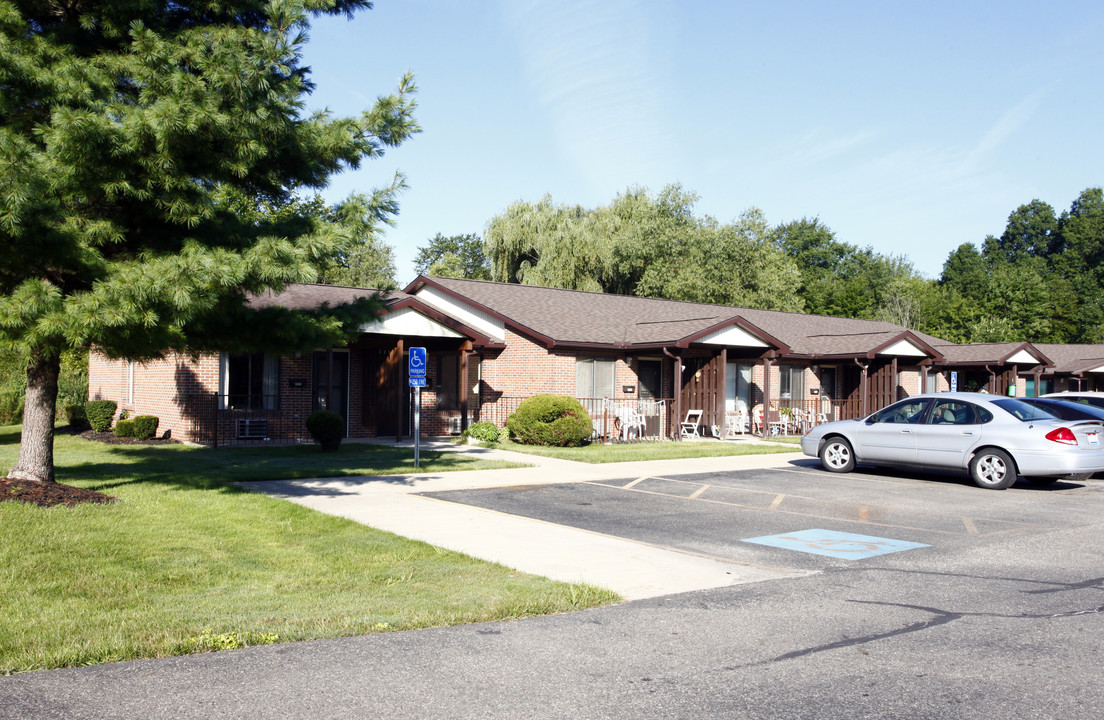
x=908 y=127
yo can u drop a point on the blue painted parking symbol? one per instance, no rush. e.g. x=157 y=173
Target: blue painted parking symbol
x=847 y=546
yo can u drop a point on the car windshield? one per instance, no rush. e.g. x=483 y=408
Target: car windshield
x=1023 y=411
x=1085 y=400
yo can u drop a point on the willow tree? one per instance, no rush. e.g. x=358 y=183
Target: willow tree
x=124 y=126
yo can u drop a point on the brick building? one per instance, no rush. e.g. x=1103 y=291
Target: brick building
x=490 y=345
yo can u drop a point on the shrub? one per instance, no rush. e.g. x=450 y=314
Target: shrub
x=100 y=414
x=11 y=406
x=145 y=426
x=483 y=432
x=124 y=428
x=326 y=427
x=76 y=417
x=550 y=420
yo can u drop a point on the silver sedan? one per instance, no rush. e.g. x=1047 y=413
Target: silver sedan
x=991 y=437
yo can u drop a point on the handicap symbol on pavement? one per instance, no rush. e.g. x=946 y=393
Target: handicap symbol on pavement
x=833 y=543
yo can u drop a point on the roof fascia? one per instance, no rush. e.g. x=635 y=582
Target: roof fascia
x=421 y=281
x=911 y=337
x=414 y=304
x=744 y=325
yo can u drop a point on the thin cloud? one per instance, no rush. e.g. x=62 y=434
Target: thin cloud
x=590 y=64
x=1009 y=124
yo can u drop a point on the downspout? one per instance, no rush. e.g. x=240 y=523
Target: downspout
x=992 y=379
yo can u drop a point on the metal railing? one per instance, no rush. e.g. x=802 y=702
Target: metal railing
x=615 y=420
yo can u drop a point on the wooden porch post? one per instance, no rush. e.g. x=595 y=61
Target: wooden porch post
x=399 y=390
x=864 y=388
x=676 y=388
x=722 y=391
x=464 y=350
x=766 y=393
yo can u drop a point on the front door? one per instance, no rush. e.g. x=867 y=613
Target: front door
x=331 y=389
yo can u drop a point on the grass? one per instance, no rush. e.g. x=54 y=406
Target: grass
x=630 y=452
x=185 y=562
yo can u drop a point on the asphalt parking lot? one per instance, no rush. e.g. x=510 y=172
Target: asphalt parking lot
x=952 y=602
x=716 y=514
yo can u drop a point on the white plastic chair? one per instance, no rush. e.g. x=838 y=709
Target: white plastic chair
x=689 y=427
x=631 y=422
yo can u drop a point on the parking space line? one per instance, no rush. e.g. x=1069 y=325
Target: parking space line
x=851 y=512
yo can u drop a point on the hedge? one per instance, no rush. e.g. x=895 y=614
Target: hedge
x=550 y=420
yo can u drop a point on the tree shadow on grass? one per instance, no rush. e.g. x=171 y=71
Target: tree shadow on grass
x=218 y=469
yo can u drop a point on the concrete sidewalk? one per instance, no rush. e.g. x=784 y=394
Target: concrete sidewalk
x=632 y=569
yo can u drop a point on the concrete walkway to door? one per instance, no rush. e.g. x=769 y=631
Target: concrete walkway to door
x=634 y=570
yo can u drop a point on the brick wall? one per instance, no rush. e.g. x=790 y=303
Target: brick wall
x=179 y=390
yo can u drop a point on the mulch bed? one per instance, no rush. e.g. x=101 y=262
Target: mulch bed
x=48 y=494
x=110 y=438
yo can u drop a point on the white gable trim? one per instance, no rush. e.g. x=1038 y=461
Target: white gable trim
x=409 y=322
x=464 y=313
x=733 y=336
x=1097 y=369
x=1023 y=357
x=904 y=347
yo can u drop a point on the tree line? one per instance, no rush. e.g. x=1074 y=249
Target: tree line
x=1040 y=280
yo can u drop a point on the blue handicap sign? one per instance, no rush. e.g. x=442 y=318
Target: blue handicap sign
x=847 y=546
x=417 y=382
x=417 y=362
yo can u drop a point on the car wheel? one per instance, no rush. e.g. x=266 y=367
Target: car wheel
x=836 y=455
x=992 y=469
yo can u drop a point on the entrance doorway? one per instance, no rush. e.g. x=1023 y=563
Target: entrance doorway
x=331 y=389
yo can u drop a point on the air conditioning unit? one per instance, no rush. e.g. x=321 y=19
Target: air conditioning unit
x=252 y=428
x=454 y=425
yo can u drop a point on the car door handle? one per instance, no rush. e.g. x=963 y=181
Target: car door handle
x=967 y=434
x=906 y=432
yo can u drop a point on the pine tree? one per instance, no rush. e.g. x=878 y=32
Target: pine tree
x=125 y=126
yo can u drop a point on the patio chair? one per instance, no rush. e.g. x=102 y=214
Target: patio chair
x=778 y=423
x=736 y=423
x=631 y=422
x=689 y=428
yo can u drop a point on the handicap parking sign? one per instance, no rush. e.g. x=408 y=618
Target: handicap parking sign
x=417 y=362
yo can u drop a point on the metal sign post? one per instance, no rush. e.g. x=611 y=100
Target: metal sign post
x=417 y=373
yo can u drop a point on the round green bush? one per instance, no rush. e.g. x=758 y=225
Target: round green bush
x=100 y=413
x=145 y=426
x=326 y=427
x=11 y=406
x=483 y=432
x=550 y=420
x=75 y=415
x=124 y=428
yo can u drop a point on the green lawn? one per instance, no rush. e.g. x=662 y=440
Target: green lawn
x=629 y=452
x=184 y=562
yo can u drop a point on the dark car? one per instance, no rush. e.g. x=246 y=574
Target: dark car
x=1067 y=409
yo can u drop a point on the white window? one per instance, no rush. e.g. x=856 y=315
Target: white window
x=594 y=377
x=791 y=382
x=249 y=381
x=129 y=382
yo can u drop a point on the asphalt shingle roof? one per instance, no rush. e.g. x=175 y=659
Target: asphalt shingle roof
x=576 y=317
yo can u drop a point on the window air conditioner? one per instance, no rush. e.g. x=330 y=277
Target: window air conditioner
x=252 y=428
